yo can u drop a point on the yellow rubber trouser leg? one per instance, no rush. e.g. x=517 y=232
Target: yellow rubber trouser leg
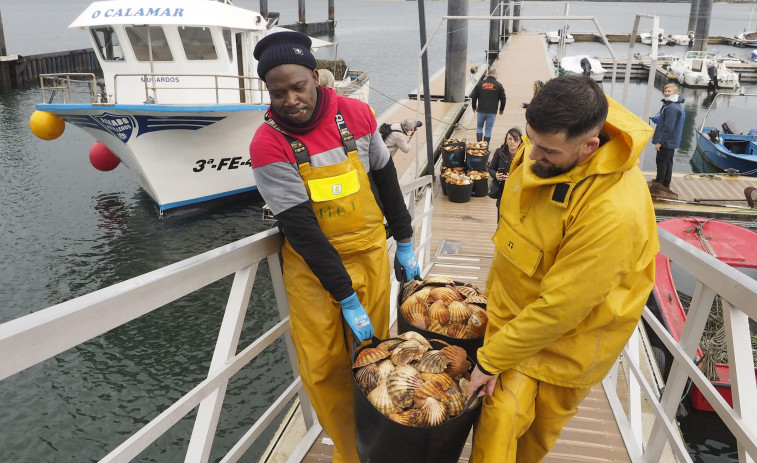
x=554 y=407
x=322 y=343
x=504 y=417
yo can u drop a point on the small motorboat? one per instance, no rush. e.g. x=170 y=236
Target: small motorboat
x=647 y=37
x=729 y=148
x=554 y=36
x=674 y=286
x=745 y=39
x=703 y=69
x=582 y=64
x=686 y=40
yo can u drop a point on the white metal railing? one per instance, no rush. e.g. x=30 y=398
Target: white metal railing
x=42 y=335
x=67 y=83
x=738 y=293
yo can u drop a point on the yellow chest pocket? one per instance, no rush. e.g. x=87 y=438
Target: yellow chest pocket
x=521 y=253
x=330 y=188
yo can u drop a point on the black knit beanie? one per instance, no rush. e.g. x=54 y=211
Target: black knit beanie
x=283 y=48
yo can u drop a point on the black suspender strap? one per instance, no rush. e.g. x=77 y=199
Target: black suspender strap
x=300 y=151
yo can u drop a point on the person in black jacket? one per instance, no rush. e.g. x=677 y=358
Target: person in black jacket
x=499 y=166
x=486 y=95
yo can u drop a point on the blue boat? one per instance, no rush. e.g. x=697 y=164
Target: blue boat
x=727 y=147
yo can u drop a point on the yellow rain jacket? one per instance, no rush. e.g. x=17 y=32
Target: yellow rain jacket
x=574 y=261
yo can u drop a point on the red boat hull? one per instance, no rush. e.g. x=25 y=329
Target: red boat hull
x=731 y=244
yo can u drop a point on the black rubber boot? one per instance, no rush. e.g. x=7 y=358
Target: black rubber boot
x=479 y=136
x=486 y=139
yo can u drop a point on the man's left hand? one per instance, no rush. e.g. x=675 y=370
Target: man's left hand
x=479 y=378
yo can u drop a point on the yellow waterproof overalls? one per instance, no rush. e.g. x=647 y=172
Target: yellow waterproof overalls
x=351 y=220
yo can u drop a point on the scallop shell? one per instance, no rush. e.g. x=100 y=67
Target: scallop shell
x=433 y=412
x=408 y=418
x=456 y=330
x=381 y=399
x=477 y=323
x=463 y=384
x=414 y=306
x=433 y=361
x=407 y=352
x=467 y=291
x=459 y=312
x=444 y=293
x=438 y=311
x=369 y=355
x=410 y=287
x=443 y=379
x=367 y=377
x=429 y=389
x=383 y=369
x=389 y=344
x=407 y=335
x=417 y=320
x=421 y=295
x=458 y=361
x=402 y=384
x=433 y=325
x=456 y=401
x=439 y=281
x=478 y=300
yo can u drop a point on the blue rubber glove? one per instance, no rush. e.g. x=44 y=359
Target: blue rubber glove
x=406 y=258
x=357 y=318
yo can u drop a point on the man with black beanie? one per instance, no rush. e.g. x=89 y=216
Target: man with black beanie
x=312 y=161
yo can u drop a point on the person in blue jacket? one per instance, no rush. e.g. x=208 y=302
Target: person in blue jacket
x=667 y=134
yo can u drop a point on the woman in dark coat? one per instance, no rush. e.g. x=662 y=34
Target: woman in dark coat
x=499 y=166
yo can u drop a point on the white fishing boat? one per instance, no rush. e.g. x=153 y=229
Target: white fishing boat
x=554 y=36
x=745 y=39
x=582 y=64
x=179 y=100
x=647 y=38
x=691 y=70
x=681 y=39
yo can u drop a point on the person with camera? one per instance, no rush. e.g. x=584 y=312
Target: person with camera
x=401 y=134
x=499 y=166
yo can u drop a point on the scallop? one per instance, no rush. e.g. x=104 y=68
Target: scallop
x=383 y=369
x=410 y=287
x=438 y=311
x=414 y=306
x=433 y=412
x=429 y=389
x=459 y=312
x=367 y=377
x=422 y=294
x=389 y=344
x=458 y=361
x=456 y=330
x=439 y=281
x=402 y=384
x=477 y=323
x=407 y=335
x=456 y=401
x=408 y=418
x=407 y=352
x=417 y=320
x=369 y=355
x=443 y=379
x=444 y=293
x=381 y=399
x=433 y=325
x=433 y=361
x=477 y=300
x=467 y=291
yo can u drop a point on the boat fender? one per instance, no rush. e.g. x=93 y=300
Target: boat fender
x=46 y=126
x=102 y=158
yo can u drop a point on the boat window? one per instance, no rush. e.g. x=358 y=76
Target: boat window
x=140 y=36
x=227 y=39
x=198 y=43
x=107 y=44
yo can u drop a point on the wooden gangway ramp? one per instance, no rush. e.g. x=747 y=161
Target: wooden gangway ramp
x=463 y=248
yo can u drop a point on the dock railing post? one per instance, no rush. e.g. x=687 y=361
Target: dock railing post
x=426 y=89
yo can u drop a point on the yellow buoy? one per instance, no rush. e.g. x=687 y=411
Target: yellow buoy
x=46 y=126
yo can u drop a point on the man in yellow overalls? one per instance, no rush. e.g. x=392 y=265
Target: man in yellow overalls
x=573 y=267
x=315 y=162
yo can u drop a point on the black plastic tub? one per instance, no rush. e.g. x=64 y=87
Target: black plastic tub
x=453 y=155
x=480 y=187
x=381 y=440
x=477 y=162
x=459 y=193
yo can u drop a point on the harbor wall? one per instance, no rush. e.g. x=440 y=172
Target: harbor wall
x=17 y=71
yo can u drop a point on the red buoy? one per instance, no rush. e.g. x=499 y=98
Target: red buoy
x=102 y=158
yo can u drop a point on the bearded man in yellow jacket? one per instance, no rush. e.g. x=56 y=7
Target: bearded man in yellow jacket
x=573 y=267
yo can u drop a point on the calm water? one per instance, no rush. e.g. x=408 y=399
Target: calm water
x=67 y=229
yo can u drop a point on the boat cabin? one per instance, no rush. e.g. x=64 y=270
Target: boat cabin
x=175 y=51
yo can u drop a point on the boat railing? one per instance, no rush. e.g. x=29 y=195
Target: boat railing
x=213 y=88
x=42 y=335
x=738 y=293
x=68 y=86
